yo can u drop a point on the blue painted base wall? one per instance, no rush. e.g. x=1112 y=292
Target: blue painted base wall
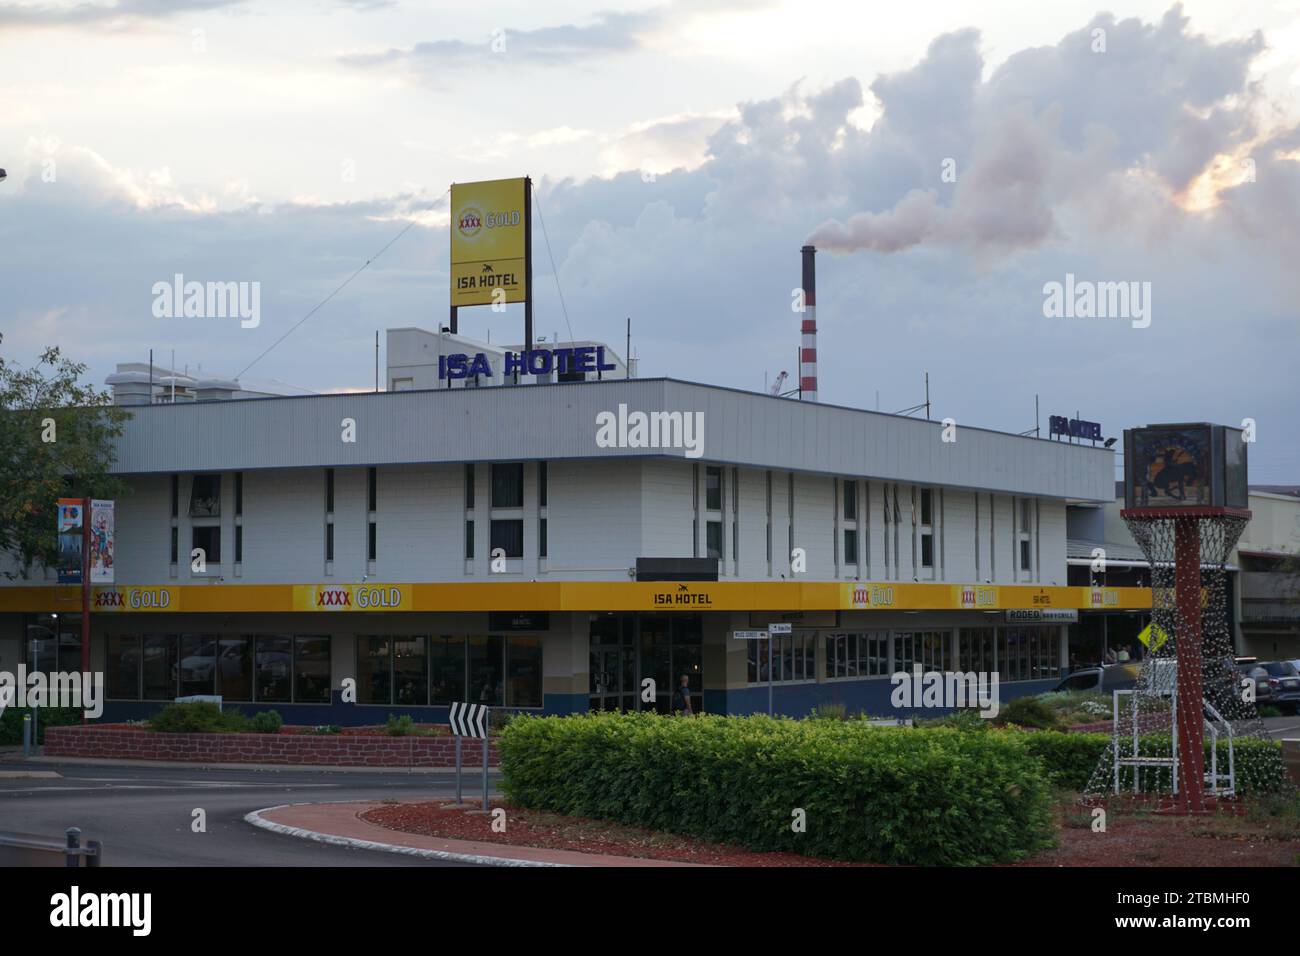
x=869 y=697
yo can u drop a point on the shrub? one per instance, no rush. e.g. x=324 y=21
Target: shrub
x=266 y=722
x=1070 y=759
x=323 y=729
x=1027 y=712
x=966 y=718
x=829 y=712
x=198 y=717
x=11 y=722
x=402 y=726
x=920 y=796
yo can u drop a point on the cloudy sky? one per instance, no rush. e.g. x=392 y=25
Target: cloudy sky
x=948 y=158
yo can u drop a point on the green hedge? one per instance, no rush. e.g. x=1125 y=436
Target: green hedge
x=1070 y=759
x=205 y=717
x=11 y=722
x=890 y=795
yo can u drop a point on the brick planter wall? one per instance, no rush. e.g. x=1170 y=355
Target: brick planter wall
x=117 y=742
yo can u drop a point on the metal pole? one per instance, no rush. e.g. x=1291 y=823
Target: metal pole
x=74 y=846
x=85 y=593
x=528 y=265
x=458 y=768
x=36 y=665
x=27 y=735
x=376 y=360
x=1187 y=596
x=95 y=852
x=485 y=769
x=771 y=666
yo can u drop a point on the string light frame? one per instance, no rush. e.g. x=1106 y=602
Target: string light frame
x=1186 y=496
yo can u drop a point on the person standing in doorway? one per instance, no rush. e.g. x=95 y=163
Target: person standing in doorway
x=684 y=696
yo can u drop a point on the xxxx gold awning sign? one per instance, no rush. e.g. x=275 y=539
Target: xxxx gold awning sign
x=352 y=597
x=135 y=599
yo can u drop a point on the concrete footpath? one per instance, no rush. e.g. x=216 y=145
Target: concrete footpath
x=340 y=824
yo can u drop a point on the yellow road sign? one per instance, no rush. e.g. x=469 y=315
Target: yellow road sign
x=1153 y=637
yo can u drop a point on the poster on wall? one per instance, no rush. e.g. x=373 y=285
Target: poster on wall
x=101 y=542
x=69 y=528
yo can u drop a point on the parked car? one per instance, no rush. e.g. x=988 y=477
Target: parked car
x=1103 y=678
x=1257 y=672
x=1283 y=680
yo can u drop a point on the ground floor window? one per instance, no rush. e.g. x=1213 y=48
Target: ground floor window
x=857 y=655
x=794 y=658
x=418 y=671
x=1029 y=653
x=264 y=668
x=975 y=650
x=53 y=642
x=929 y=649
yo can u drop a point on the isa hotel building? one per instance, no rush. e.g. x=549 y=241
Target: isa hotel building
x=491 y=537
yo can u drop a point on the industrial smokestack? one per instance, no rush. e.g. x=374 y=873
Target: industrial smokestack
x=808 y=344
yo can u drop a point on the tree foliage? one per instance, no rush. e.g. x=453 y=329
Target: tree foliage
x=56 y=440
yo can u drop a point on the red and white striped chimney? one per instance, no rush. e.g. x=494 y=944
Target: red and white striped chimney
x=808 y=344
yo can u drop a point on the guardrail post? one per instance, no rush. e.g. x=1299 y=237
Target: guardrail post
x=95 y=852
x=74 y=846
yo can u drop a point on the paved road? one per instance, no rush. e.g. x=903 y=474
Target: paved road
x=1280 y=728
x=142 y=815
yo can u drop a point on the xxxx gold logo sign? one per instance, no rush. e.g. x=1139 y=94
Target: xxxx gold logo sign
x=349 y=597
x=971 y=595
x=871 y=595
x=1099 y=597
x=133 y=599
x=333 y=597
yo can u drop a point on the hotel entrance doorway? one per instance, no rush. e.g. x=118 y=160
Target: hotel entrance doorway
x=628 y=648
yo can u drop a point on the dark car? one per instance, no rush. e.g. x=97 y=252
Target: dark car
x=1259 y=674
x=1283 y=681
x=1103 y=678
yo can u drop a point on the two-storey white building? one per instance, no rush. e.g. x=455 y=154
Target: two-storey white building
x=552 y=546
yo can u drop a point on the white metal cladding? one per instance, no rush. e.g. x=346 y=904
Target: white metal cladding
x=559 y=422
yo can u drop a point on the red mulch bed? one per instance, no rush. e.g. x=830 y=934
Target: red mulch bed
x=554 y=831
x=1137 y=837
x=1133 y=838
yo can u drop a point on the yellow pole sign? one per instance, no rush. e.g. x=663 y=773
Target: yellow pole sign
x=489 y=242
x=1153 y=637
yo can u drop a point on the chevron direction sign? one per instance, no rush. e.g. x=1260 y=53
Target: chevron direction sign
x=469 y=720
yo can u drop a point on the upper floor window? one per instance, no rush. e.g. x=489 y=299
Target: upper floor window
x=205 y=496
x=508 y=485
x=850 y=500
x=713 y=489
